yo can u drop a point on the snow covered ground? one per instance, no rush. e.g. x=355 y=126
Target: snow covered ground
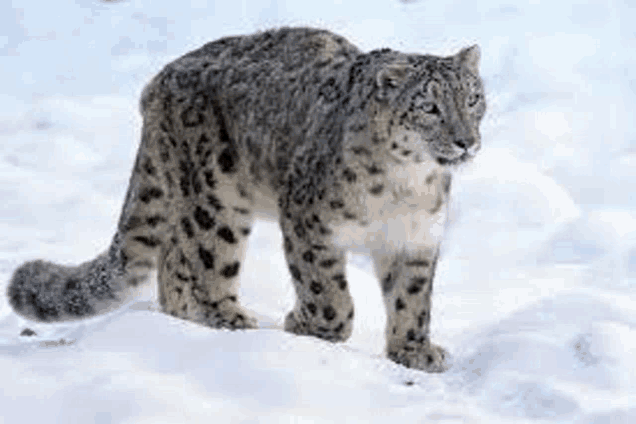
x=535 y=294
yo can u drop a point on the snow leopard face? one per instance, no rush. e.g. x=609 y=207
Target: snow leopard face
x=438 y=104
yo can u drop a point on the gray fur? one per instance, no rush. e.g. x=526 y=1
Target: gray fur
x=348 y=149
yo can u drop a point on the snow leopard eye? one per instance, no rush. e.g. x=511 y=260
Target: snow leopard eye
x=473 y=99
x=429 y=107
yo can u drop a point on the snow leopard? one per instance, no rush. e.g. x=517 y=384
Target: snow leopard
x=349 y=151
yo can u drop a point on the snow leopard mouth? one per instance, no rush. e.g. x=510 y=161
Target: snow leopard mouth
x=464 y=157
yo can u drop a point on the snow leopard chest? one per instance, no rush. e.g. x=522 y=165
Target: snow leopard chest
x=410 y=213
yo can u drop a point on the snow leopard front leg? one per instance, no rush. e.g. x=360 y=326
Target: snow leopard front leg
x=406 y=278
x=324 y=307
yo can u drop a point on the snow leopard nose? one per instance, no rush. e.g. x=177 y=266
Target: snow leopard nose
x=464 y=143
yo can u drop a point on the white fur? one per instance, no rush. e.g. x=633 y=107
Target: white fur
x=400 y=218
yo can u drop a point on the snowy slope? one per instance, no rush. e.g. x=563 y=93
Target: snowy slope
x=535 y=293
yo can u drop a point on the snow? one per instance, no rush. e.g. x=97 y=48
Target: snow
x=535 y=292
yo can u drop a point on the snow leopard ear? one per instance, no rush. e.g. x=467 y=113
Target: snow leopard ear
x=469 y=58
x=391 y=76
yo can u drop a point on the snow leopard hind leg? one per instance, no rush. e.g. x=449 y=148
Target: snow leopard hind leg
x=184 y=214
x=212 y=208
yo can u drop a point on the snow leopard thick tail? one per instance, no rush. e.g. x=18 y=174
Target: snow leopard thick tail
x=49 y=292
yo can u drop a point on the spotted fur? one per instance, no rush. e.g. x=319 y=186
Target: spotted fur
x=350 y=150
